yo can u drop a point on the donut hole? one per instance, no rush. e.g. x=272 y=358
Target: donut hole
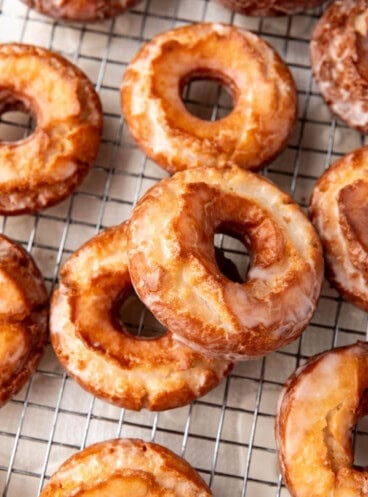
x=232 y=257
x=17 y=121
x=208 y=99
x=133 y=317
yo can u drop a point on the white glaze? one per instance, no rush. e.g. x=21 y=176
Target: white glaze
x=169 y=278
x=316 y=411
x=326 y=217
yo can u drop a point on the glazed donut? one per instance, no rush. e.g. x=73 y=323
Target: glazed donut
x=339 y=60
x=105 y=359
x=80 y=10
x=262 y=87
x=338 y=209
x=123 y=467
x=174 y=271
x=270 y=7
x=318 y=407
x=23 y=317
x=45 y=167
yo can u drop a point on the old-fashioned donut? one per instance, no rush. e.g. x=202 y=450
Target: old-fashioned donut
x=80 y=10
x=101 y=355
x=45 y=167
x=126 y=467
x=339 y=60
x=173 y=268
x=319 y=406
x=23 y=317
x=262 y=87
x=270 y=7
x=339 y=211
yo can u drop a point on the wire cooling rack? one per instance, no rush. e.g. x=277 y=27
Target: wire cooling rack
x=228 y=434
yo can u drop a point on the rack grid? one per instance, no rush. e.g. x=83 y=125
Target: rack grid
x=228 y=435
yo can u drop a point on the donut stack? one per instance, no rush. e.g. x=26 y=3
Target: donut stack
x=165 y=251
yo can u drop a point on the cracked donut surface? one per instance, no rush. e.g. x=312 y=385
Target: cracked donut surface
x=319 y=406
x=101 y=355
x=80 y=10
x=126 y=467
x=338 y=209
x=339 y=47
x=23 y=317
x=45 y=167
x=263 y=90
x=270 y=7
x=173 y=268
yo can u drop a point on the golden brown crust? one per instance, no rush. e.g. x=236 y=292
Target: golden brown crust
x=174 y=271
x=101 y=355
x=264 y=94
x=23 y=317
x=338 y=55
x=337 y=209
x=319 y=406
x=45 y=167
x=80 y=10
x=126 y=467
x=270 y=7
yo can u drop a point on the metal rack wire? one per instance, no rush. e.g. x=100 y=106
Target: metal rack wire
x=228 y=434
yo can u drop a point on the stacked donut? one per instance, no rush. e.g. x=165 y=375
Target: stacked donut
x=97 y=349
x=173 y=268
